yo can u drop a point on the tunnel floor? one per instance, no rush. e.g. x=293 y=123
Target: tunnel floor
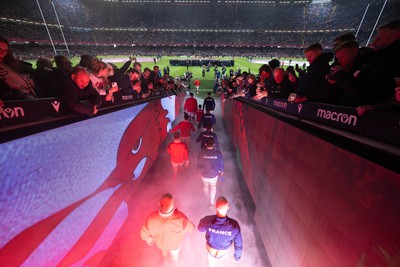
x=130 y=250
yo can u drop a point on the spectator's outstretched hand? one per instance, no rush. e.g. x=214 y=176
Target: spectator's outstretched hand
x=362 y=109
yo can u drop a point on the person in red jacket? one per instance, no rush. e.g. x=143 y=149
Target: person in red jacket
x=197 y=83
x=190 y=106
x=179 y=154
x=185 y=126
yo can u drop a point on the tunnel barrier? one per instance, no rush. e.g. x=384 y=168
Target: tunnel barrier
x=318 y=202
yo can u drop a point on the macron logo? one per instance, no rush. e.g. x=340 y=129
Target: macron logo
x=338 y=117
x=56 y=105
x=15 y=112
x=299 y=108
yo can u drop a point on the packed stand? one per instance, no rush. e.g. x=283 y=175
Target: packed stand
x=365 y=78
x=172 y=23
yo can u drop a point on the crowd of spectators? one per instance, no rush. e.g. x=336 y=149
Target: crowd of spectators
x=362 y=77
x=84 y=87
x=217 y=24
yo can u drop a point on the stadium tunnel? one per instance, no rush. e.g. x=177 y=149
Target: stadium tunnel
x=75 y=192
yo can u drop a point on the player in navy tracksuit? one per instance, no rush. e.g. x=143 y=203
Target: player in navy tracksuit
x=203 y=137
x=210 y=166
x=207 y=119
x=209 y=102
x=221 y=233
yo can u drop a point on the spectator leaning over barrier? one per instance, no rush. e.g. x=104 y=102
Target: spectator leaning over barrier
x=154 y=78
x=76 y=88
x=385 y=68
x=146 y=83
x=111 y=86
x=261 y=92
x=13 y=85
x=130 y=84
x=265 y=73
x=313 y=85
x=251 y=86
x=98 y=73
x=342 y=76
x=280 y=86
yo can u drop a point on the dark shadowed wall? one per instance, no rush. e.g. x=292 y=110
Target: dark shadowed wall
x=316 y=204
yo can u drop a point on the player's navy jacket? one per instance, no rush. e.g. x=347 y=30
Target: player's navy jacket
x=221 y=232
x=203 y=137
x=207 y=119
x=209 y=163
x=209 y=103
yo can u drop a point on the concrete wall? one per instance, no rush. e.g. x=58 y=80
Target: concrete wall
x=316 y=204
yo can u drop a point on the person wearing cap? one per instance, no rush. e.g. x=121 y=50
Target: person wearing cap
x=221 y=232
x=209 y=166
x=166 y=228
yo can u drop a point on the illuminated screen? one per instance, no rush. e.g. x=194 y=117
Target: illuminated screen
x=59 y=187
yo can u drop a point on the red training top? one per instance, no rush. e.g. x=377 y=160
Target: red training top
x=190 y=104
x=185 y=127
x=178 y=151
